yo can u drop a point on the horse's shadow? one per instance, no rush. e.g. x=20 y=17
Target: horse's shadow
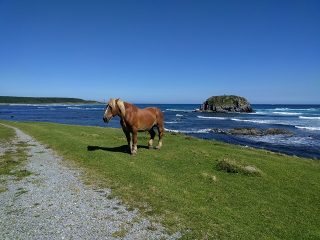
x=122 y=149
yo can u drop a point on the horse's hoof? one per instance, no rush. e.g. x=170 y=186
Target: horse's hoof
x=157 y=147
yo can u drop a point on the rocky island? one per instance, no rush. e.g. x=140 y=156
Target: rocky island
x=226 y=103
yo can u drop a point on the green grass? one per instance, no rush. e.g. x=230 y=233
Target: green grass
x=184 y=186
x=11 y=159
x=6 y=134
x=6 y=161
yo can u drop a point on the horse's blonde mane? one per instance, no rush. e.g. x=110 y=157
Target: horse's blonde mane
x=118 y=103
x=121 y=106
x=112 y=103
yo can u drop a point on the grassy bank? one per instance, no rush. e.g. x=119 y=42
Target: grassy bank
x=205 y=188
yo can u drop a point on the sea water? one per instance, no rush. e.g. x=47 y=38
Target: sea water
x=302 y=120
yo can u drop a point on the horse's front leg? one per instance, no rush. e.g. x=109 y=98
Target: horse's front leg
x=128 y=136
x=127 y=133
x=134 y=140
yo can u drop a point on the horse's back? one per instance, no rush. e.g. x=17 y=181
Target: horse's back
x=155 y=111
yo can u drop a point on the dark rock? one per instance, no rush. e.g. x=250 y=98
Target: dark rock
x=258 y=132
x=277 y=131
x=226 y=103
x=246 y=131
x=253 y=131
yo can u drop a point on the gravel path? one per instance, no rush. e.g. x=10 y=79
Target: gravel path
x=53 y=203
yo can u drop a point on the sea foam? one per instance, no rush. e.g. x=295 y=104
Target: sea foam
x=204 y=130
x=178 y=110
x=309 y=128
x=252 y=121
x=287 y=113
x=311 y=118
x=218 y=118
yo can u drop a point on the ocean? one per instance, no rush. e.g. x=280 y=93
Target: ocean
x=303 y=121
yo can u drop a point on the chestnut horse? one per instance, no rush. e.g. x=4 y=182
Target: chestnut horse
x=134 y=120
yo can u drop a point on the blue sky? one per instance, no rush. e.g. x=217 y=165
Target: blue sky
x=161 y=51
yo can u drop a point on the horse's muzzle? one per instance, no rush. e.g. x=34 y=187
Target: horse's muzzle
x=106 y=120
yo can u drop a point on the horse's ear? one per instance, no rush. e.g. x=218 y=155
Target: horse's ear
x=121 y=106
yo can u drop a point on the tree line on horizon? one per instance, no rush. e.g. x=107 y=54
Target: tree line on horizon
x=39 y=100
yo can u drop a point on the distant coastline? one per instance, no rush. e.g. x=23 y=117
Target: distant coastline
x=44 y=100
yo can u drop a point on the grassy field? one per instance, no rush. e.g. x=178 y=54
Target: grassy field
x=203 y=188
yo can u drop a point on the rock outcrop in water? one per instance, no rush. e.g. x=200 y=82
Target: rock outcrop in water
x=226 y=103
x=259 y=132
x=253 y=131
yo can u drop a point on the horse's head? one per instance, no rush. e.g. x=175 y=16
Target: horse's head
x=114 y=107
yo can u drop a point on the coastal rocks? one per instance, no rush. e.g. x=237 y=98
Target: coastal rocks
x=259 y=132
x=226 y=103
x=253 y=131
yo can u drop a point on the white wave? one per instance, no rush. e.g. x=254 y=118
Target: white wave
x=287 y=113
x=265 y=121
x=276 y=113
x=304 y=109
x=86 y=108
x=284 y=140
x=281 y=109
x=309 y=128
x=171 y=122
x=25 y=104
x=295 y=109
x=312 y=118
x=179 y=115
x=178 y=110
x=252 y=121
x=218 y=118
x=94 y=108
x=258 y=112
x=204 y=130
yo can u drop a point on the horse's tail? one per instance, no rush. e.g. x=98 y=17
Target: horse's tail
x=160 y=126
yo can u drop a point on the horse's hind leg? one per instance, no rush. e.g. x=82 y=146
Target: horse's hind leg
x=134 y=140
x=152 y=135
x=160 y=132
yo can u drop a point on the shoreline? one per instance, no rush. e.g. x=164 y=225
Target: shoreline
x=302 y=121
x=173 y=133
